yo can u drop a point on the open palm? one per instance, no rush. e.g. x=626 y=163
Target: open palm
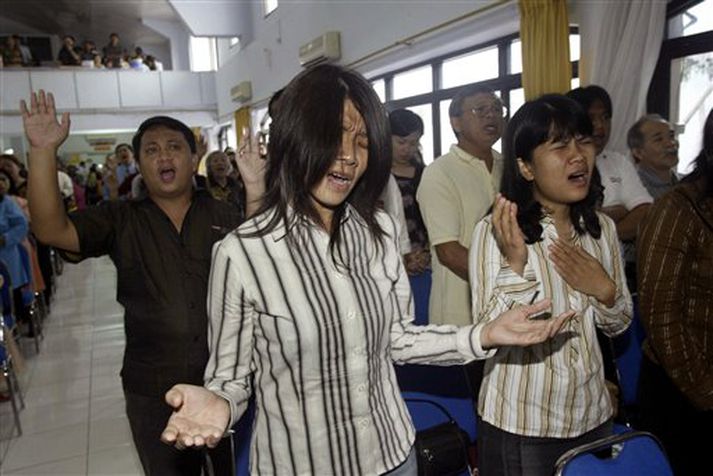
x=200 y=417
x=42 y=129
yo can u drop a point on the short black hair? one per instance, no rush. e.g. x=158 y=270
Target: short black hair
x=404 y=123
x=123 y=144
x=272 y=105
x=162 y=121
x=587 y=95
x=551 y=116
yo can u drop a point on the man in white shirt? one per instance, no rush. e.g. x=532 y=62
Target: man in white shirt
x=626 y=200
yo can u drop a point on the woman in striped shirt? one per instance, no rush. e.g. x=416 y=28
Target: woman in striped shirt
x=310 y=303
x=545 y=238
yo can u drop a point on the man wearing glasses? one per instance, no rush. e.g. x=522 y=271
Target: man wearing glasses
x=456 y=191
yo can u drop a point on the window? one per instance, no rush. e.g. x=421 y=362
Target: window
x=694 y=20
x=681 y=89
x=424 y=112
x=427 y=88
x=516 y=52
x=380 y=87
x=413 y=82
x=269 y=5
x=203 y=53
x=470 y=68
x=691 y=100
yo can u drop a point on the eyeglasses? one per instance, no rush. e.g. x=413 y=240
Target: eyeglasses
x=497 y=110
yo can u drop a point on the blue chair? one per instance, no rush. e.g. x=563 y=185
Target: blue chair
x=421 y=290
x=242 y=434
x=628 y=354
x=634 y=453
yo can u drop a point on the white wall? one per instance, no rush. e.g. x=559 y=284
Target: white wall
x=178 y=36
x=271 y=60
x=221 y=19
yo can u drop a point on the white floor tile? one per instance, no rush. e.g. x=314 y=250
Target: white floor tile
x=109 y=433
x=53 y=416
x=107 y=407
x=118 y=461
x=69 y=466
x=41 y=448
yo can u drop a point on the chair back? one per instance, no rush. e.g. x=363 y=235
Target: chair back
x=635 y=453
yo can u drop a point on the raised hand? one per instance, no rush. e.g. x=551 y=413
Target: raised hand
x=201 y=146
x=251 y=158
x=582 y=271
x=508 y=234
x=200 y=417
x=42 y=129
x=516 y=327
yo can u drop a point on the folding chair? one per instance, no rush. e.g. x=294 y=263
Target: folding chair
x=13 y=386
x=634 y=453
x=29 y=299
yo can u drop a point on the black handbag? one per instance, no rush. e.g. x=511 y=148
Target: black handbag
x=441 y=450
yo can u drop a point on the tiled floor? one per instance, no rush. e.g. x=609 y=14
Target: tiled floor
x=74 y=422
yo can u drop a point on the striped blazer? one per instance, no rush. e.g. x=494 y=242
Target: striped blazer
x=315 y=343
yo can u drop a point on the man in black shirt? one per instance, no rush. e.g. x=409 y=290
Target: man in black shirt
x=161 y=247
x=69 y=54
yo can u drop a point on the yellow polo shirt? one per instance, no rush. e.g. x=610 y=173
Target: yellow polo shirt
x=456 y=191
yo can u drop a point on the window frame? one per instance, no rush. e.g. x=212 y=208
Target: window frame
x=505 y=82
x=658 y=99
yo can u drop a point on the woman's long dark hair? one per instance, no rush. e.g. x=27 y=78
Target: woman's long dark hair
x=703 y=170
x=556 y=117
x=305 y=139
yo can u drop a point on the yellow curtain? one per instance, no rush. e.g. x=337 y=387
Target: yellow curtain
x=242 y=121
x=544 y=31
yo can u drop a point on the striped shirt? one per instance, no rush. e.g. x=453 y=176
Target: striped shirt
x=676 y=290
x=554 y=389
x=319 y=341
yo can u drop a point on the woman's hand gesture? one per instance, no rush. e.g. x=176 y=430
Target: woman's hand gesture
x=508 y=234
x=583 y=272
x=517 y=327
x=200 y=417
x=42 y=129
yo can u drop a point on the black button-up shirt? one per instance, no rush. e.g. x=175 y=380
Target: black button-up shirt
x=162 y=281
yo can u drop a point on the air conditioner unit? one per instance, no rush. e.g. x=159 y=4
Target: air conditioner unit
x=242 y=92
x=324 y=48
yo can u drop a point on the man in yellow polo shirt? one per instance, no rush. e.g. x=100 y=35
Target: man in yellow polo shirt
x=456 y=191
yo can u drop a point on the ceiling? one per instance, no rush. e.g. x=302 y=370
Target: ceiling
x=93 y=19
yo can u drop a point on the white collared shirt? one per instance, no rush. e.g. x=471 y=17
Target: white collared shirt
x=319 y=342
